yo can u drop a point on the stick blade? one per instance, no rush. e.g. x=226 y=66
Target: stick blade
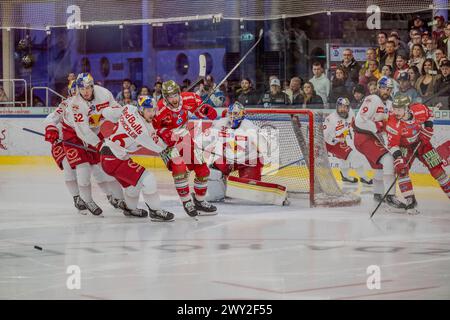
x=261 y=32
x=202 y=65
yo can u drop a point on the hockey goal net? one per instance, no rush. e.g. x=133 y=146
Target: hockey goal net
x=303 y=166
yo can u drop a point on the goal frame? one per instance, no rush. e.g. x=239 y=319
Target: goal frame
x=310 y=116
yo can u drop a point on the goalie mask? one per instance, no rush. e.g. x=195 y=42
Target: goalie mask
x=343 y=107
x=235 y=114
x=171 y=94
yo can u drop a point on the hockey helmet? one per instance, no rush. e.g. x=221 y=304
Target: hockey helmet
x=401 y=101
x=72 y=88
x=342 y=102
x=385 y=82
x=145 y=102
x=169 y=88
x=84 y=80
x=236 y=113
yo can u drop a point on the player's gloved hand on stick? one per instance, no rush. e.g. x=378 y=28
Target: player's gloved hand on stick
x=167 y=136
x=400 y=166
x=208 y=111
x=426 y=133
x=51 y=134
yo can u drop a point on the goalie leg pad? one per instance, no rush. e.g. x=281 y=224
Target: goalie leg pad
x=216 y=186
x=252 y=190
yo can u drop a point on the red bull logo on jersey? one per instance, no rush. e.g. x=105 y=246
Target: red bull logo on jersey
x=131 y=119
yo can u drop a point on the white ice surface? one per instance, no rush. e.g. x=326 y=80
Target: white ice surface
x=247 y=251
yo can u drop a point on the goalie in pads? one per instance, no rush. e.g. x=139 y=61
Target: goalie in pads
x=239 y=145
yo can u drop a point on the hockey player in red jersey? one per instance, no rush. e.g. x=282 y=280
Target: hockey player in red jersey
x=409 y=127
x=133 y=131
x=182 y=155
x=369 y=140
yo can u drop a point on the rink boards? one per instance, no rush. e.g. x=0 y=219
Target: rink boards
x=20 y=147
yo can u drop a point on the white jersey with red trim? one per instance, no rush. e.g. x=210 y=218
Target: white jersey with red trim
x=372 y=110
x=86 y=117
x=56 y=117
x=131 y=133
x=336 y=128
x=246 y=143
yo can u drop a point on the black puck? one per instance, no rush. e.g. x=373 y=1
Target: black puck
x=37 y=247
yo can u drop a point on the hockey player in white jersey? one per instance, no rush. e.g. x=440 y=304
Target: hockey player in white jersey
x=82 y=118
x=53 y=132
x=337 y=130
x=239 y=145
x=370 y=140
x=134 y=130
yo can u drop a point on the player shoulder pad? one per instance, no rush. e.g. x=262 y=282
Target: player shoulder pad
x=99 y=90
x=421 y=112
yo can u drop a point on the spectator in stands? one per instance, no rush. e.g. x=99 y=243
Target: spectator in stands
x=70 y=77
x=426 y=83
x=389 y=58
x=424 y=40
x=358 y=95
x=414 y=74
x=419 y=24
x=145 y=91
x=443 y=87
x=127 y=99
x=400 y=46
x=417 y=56
x=381 y=50
x=372 y=88
x=311 y=100
x=157 y=91
x=430 y=49
x=415 y=39
x=370 y=74
x=320 y=81
x=3 y=96
x=405 y=88
x=371 y=55
x=275 y=97
x=126 y=84
x=246 y=94
x=438 y=56
x=295 y=90
x=401 y=64
x=439 y=25
x=340 y=85
x=443 y=42
x=186 y=83
x=350 y=65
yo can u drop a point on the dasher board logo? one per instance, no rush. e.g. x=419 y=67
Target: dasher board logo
x=2 y=138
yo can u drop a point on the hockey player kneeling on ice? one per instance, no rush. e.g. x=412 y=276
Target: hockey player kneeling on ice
x=408 y=126
x=86 y=111
x=369 y=140
x=239 y=146
x=133 y=131
x=336 y=129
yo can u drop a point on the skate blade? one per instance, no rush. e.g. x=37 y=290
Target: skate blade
x=83 y=212
x=390 y=209
x=412 y=212
x=158 y=220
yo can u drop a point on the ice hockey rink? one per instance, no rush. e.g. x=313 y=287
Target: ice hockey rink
x=247 y=251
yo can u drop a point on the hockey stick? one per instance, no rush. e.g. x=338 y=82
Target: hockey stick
x=261 y=31
x=63 y=141
x=201 y=72
x=283 y=166
x=395 y=181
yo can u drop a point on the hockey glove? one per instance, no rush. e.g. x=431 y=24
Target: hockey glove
x=400 y=166
x=51 y=134
x=167 y=137
x=208 y=111
x=426 y=132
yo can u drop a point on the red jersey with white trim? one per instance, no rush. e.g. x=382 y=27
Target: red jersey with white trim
x=177 y=120
x=84 y=118
x=131 y=133
x=402 y=133
x=336 y=128
x=372 y=110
